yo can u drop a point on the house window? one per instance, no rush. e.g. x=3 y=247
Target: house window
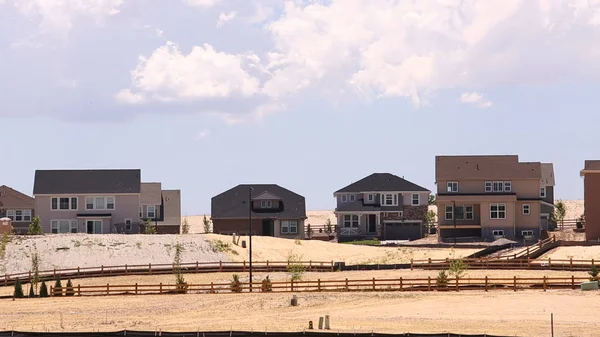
x=469 y=212
x=151 y=212
x=351 y=197
x=389 y=199
x=459 y=212
x=266 y=203
x=488 y=186
x=350 y=220
x=527 y=233
x=416 y=200
x=63 y=203
x=498 y=186
x=543 y=192
x=507 y=186
x=289 y=226
x=498 y=232
x=128 y=225
x=141 y=211
x=497 y=211
x=526 y=209
x=449 y=213
x=19 y=214
x=452 y=186
x=370 y=196
x=99 y=203
x=344 y=198
x=63 y=226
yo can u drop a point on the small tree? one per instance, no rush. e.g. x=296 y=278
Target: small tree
x=431 y=199
x=43 y=289
x=560 y=211
x=185 y=226
x=31 y=293
x=150 y=227
x=69 y=291
x=294 y=266
x=236 y=285
x=180 y=283
x=458 y=268
x=309 y=231
x=266 y=285
x=430 y=218
x=328 y=226
x=57 y=291
x=594 y=274
x=18 y=289
x=34 y=227
x=35 y=270
x=442 y=279
x=206 y=224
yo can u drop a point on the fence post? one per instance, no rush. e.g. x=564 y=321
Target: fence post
x=244 y=266
x=101 y=270
x=149 y=268
x=30 y=274
x=411 y=264
x=486 y=283
x=346 y=284
x=77 y=271
x=160 y=288
x=125 y=269
x=212 y=287
x=573 y=281
x=515 y=283
x=136 y=291
x=268 y=266
x=319 y=284
x=78 y=290
x=373 y=284
x=428 y=283
x=332 y=269
x=108 y=289
x=544 y=283
x=571 y=263
x=310 y=265
x=401 y=287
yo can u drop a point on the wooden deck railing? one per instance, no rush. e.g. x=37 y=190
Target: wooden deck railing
x=157 y=269
x=345 y=285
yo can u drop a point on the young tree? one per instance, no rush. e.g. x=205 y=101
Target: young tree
x=432 y=199
x=35 y=270
x=206 y=224
x=18 y=289
x=150 y=227
x=236 y=284
x=31 y=293
x=43 y=290
x=179 y=280
x=458 y=268
x=57 y=291
x=35 y=228
x=560 y=211
x=185 y=226
x=430 y=218
x=69 y=291
x=328 y=226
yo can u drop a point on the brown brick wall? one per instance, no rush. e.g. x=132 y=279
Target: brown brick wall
x=239 y=226
x=168 y=229
x=414 y=212
x=592 y=211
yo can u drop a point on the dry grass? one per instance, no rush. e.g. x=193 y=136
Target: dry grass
x=524 y=313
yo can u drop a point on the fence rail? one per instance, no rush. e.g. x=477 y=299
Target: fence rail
x=157 y=269
x=346 y=285
x=545 y=264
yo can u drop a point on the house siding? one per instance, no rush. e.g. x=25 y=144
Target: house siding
x=591 y=188
x=126 y=207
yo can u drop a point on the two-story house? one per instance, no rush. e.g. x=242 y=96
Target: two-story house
x=18 y=207
x=274 y=211
x=383 y=206
x=161 y=207
x=492 y=197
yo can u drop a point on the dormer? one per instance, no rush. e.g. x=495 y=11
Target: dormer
x=267 y=202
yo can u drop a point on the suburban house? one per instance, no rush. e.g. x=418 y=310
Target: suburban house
x=383 y=206
x=18 y=207
x=591 y=195
x=101 y=202
x=275 y=211
x=161 y=207
x=493 y=197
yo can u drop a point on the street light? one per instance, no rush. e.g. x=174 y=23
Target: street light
x=250 y=232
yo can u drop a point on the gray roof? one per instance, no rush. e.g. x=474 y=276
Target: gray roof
x=172 y=207
x=382 y=182
x=233 y=203
x=150 y=193
x=86 y=181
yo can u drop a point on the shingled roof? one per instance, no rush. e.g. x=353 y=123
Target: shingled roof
x=485 y=167
x=86 y=181
x=382 y=182
x=233 y=203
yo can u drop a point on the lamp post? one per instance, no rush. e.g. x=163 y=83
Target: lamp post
x=250 y=232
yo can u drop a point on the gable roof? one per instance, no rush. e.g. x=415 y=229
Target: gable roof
x=485 y=167
x=548 y=174
x=233 y=203
x=150 y=193
x=384 y=182
x=12 y=198
x=86 y=181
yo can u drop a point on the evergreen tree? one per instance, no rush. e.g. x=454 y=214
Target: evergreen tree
x=57 y=288
x=18 y=289
x=43 y=290
x=69 y=291
x=31 y=293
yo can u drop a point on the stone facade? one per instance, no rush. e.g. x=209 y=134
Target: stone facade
x=415 y=212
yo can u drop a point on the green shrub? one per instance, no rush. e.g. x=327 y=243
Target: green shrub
x=18 y=289
x=57 y=291
x=43 y=290
x=442 y=279
x=236 y=285
x=150 y=228
x=69 y=291
x=34 y=227
x=594 y=274
x=266 y=285
x=458 y=268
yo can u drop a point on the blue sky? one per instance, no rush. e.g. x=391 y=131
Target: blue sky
x=205 y=94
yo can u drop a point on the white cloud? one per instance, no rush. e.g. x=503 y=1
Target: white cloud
x=159 y=32
x=475 y=99
x=202 y=134
x=169 y=75
x=202 y=3
x=223 y=18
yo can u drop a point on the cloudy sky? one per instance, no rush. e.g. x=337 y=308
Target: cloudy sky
x=312 y=95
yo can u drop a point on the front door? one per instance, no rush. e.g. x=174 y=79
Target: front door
x=94 y=226
x=372 y=223
x=268 y=227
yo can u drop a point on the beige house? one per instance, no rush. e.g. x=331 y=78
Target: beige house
x=493 y=197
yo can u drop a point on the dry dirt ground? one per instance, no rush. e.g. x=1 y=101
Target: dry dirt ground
x=506 y=313
x=577 y=253
x=274 y=249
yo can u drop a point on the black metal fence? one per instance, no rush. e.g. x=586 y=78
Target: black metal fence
x=226 y=334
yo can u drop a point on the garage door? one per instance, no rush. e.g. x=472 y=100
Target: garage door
x=402 y=231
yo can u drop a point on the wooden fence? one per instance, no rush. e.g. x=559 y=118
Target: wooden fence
x=346 y=285
x=540 y=264
x=157 y=269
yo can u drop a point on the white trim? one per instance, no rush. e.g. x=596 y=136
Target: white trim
x=488 y=186
x=351 y=221
x=446 y=212
x=547 y=204
x=498 y=232
x=94 y=219
x=73 y=224
x=472 y=212
x=370 y=197
x=105 y=198
x=344 y=198
x=128 y=224
x=412 y=199
x=543 y=192
x=498 y=205
x=450 y=186
x=287 y=224
x=64 y=197
x=148 y=211
x=352 y=198
x=266 y=204
x=526 y=208
x=509 y=185
x=383 y=199
x=26 y=214
x=378 y=192
x=527 y=230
